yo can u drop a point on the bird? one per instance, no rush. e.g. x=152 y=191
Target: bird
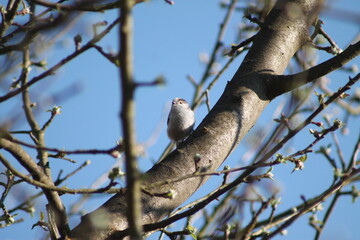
x=181 y=120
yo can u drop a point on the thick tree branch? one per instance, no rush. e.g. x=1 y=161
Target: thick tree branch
x=242 y=102
x=250 y=169
x=283 y=83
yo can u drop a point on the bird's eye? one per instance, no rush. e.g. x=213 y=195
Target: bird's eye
x=181 y=102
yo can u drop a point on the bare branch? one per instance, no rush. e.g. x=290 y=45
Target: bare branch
x=218 y=44
x=220 y=132
x=53 y=197
x=281 y=84
x=51 y=187
x=82 y=5
x=64 y=61
x=127 y=114
x=110 y=151
x=310 y=204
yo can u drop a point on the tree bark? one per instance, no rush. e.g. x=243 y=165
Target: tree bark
x=284 y=32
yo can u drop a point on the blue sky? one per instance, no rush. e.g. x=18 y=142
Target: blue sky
x=167 y=41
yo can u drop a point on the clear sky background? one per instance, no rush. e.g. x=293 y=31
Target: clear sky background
x=168 y=41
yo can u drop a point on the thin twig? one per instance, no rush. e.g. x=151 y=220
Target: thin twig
x=65 y=152
x=106 y=189
x=254 y=219
x=64 y=61
x=198 y=101
x=338 y=148
x=207 y=100
x=88 y=7
x=310 y=204
x=218 y=44
x=327 y=215
x=353 y=159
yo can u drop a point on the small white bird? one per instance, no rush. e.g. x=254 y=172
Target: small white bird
x=181 y=120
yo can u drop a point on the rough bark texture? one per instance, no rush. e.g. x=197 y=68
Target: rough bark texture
x=245 y=97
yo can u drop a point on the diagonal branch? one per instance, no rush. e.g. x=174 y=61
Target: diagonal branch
x=309 y=205
x=217 y=47
x=284 y=83
x=38 y=174
x=235 y=113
